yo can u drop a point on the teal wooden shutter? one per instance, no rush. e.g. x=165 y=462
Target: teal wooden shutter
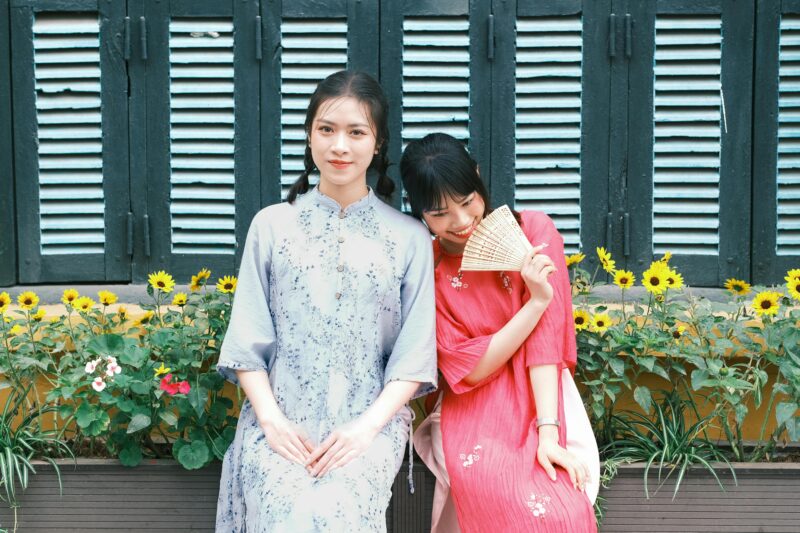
x=687 y=186
x=70 y=133
x=8 y=243
x=776 y=141
x=306 y=41
x=551 y=79
x=434 y=60
x=202 y=136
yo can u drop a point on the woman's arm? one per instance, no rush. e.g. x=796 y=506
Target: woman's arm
x=286 y=438
x=509 y=338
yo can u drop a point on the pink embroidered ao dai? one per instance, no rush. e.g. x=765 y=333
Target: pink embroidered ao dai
x=488 y=429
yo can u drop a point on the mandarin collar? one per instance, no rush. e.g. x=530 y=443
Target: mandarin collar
x=333 y=206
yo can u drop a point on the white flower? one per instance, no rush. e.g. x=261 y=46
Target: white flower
x=112 y=369
x=90 y=366
x=111 y=360
x=98 y=384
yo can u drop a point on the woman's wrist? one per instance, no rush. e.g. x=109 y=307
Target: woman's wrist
x=548 y=432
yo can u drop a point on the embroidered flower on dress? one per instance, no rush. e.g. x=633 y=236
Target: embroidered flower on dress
x=537 y=505
x=506 y=282
x=456 y=283
x=467 y=460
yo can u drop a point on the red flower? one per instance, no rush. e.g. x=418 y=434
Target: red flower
x=180 y=387
x=183 y=387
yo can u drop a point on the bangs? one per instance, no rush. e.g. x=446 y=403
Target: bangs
x=436 y=188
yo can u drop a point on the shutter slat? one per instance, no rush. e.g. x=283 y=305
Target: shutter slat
x=312 y=49
x=68 y=84
x=548 y=120
x=202 y=183
x=686 y=125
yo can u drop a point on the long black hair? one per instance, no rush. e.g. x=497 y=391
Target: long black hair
x=439 y=166
x=366 y=90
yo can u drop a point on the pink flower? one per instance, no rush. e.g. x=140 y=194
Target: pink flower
x=98 y=384
x=183 y=387
x=112 y=369
x=111 y=360
x=90 y=366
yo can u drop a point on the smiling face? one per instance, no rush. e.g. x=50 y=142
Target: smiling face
x=455 y=221
x=343 y=144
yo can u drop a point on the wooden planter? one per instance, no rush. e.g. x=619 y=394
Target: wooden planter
x=160 y=495
x=765 y=499
x=101 y=495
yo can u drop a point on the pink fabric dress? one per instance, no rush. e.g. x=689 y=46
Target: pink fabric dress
x=488 y=431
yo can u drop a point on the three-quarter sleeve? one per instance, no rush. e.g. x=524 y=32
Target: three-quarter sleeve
x=249 y=343
x=413 y=356
x=553 y=339
x=458 y=352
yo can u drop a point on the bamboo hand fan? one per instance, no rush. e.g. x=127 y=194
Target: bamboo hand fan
x=497 y=243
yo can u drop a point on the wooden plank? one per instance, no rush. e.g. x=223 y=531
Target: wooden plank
x=312 y=8
x=270 y=112
x=8 y=243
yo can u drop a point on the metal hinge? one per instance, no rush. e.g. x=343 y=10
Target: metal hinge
x=626 y=234
x=146 y=231
x=609 y=229
x=259 y=40
x=490 y=38
x=126 y=39
x=143 y=36
x=628 y=35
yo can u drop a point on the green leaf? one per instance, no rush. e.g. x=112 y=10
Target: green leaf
x=98 y=426
x=194 y=455
x=135 y=356
x=138 y=423
x=85 y=415
x=741 y=412
x=107 y=344
x=784 y=411
x=617 y=365
x=169 y=417
x=699 y=379
x=643 y=397
x=139 y=387
x=197 y=398
x=130 y=454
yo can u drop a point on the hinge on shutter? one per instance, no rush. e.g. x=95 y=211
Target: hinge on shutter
x=146 y=231
x=143 y=36
x=612 y=35
x=126 y=39
x=130 y=234
x=628 y=35
x=609 y=226
x=490 y=38
x=626 y=234
x=259 y=40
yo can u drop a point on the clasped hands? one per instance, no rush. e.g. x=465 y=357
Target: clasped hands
x=343 y=445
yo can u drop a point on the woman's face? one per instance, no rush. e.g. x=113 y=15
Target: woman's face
x=456 y=220
x=342 y=144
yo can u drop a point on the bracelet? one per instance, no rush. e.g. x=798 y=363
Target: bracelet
x=547 y=422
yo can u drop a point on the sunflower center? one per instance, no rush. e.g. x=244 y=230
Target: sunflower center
x=600 y=323
x=579 y=320
x=228 y=286
x=676 y=334
x=160 y=284
x=766 y=304
x=654 y=281
x=28 y=301
x=738 y=288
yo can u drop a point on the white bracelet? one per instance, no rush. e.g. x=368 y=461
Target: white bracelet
x=547 y=422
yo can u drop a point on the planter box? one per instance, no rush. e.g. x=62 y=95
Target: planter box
x=766 y=499
x=102 y=495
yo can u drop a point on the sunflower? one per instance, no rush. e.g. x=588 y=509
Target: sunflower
x=677 y=333
x=674 y=279
x=737 y=286
x=179 y=299
x=195 y=285
x=107 y=297
x=654 y=278
x=624 y=279
x=600 y=322
x=69 y=296
x=227 y=284
x=605 y=260
x=5 y=301
x=15 y=330
x=145 y=318
x=793 y=274
x=161 y=281
x=581 y=319
x=666 y=257
x=574 y=259
x=28 y=300
x=204 y=274
x=766 y=303
x=38 y=316
x=122 y=313
x=793 y=287
x=83 y=304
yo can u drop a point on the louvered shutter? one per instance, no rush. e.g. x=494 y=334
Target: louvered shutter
x=70 y=116
x=550 y=84
x=201 y=105
x=434 y=60
x=306 y=42
x=688 y=176
x=8 y=247
x=776 y=141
